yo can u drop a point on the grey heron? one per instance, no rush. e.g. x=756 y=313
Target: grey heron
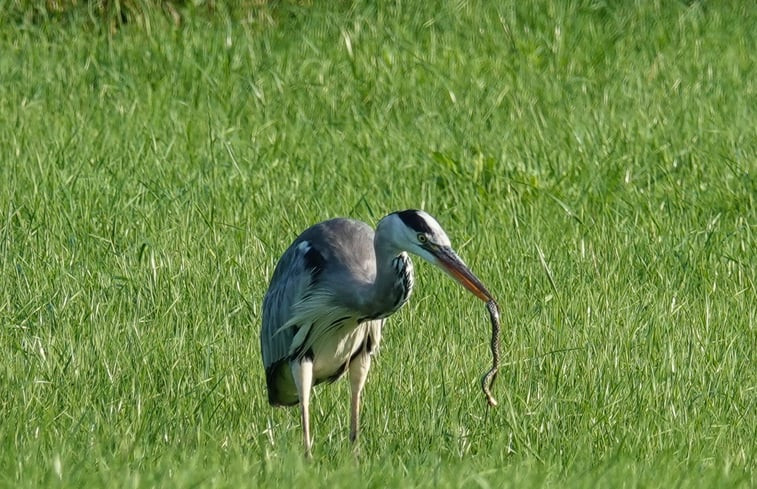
x=330 y=295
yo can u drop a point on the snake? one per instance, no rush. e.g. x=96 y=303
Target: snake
x=487 y=381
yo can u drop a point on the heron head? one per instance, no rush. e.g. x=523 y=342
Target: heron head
x=417 y=232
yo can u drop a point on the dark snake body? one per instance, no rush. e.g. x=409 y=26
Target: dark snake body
x=487 y=381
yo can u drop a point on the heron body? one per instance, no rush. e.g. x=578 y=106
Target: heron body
x=330 y=295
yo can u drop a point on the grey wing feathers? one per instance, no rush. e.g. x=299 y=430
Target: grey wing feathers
x=289 y=283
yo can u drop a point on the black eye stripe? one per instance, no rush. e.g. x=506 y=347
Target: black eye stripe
x=413 y=220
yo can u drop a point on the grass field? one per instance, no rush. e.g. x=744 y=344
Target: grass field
x=594 y=162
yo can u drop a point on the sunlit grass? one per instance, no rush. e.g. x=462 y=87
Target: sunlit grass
x=594 y=164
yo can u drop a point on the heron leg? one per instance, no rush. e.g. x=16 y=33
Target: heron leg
x=359 y=367
x=303 y=379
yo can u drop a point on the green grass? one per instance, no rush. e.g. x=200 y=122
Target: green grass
x=595 y=163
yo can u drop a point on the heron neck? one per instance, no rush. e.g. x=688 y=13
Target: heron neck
x=394 y=280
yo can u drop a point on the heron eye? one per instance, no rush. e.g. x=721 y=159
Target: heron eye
x=422 y=239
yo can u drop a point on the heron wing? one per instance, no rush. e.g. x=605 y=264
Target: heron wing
x=291 y=279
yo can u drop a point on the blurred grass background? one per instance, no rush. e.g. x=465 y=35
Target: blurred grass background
x=593 y=162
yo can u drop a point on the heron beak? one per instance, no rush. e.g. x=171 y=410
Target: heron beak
x=455 y=268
